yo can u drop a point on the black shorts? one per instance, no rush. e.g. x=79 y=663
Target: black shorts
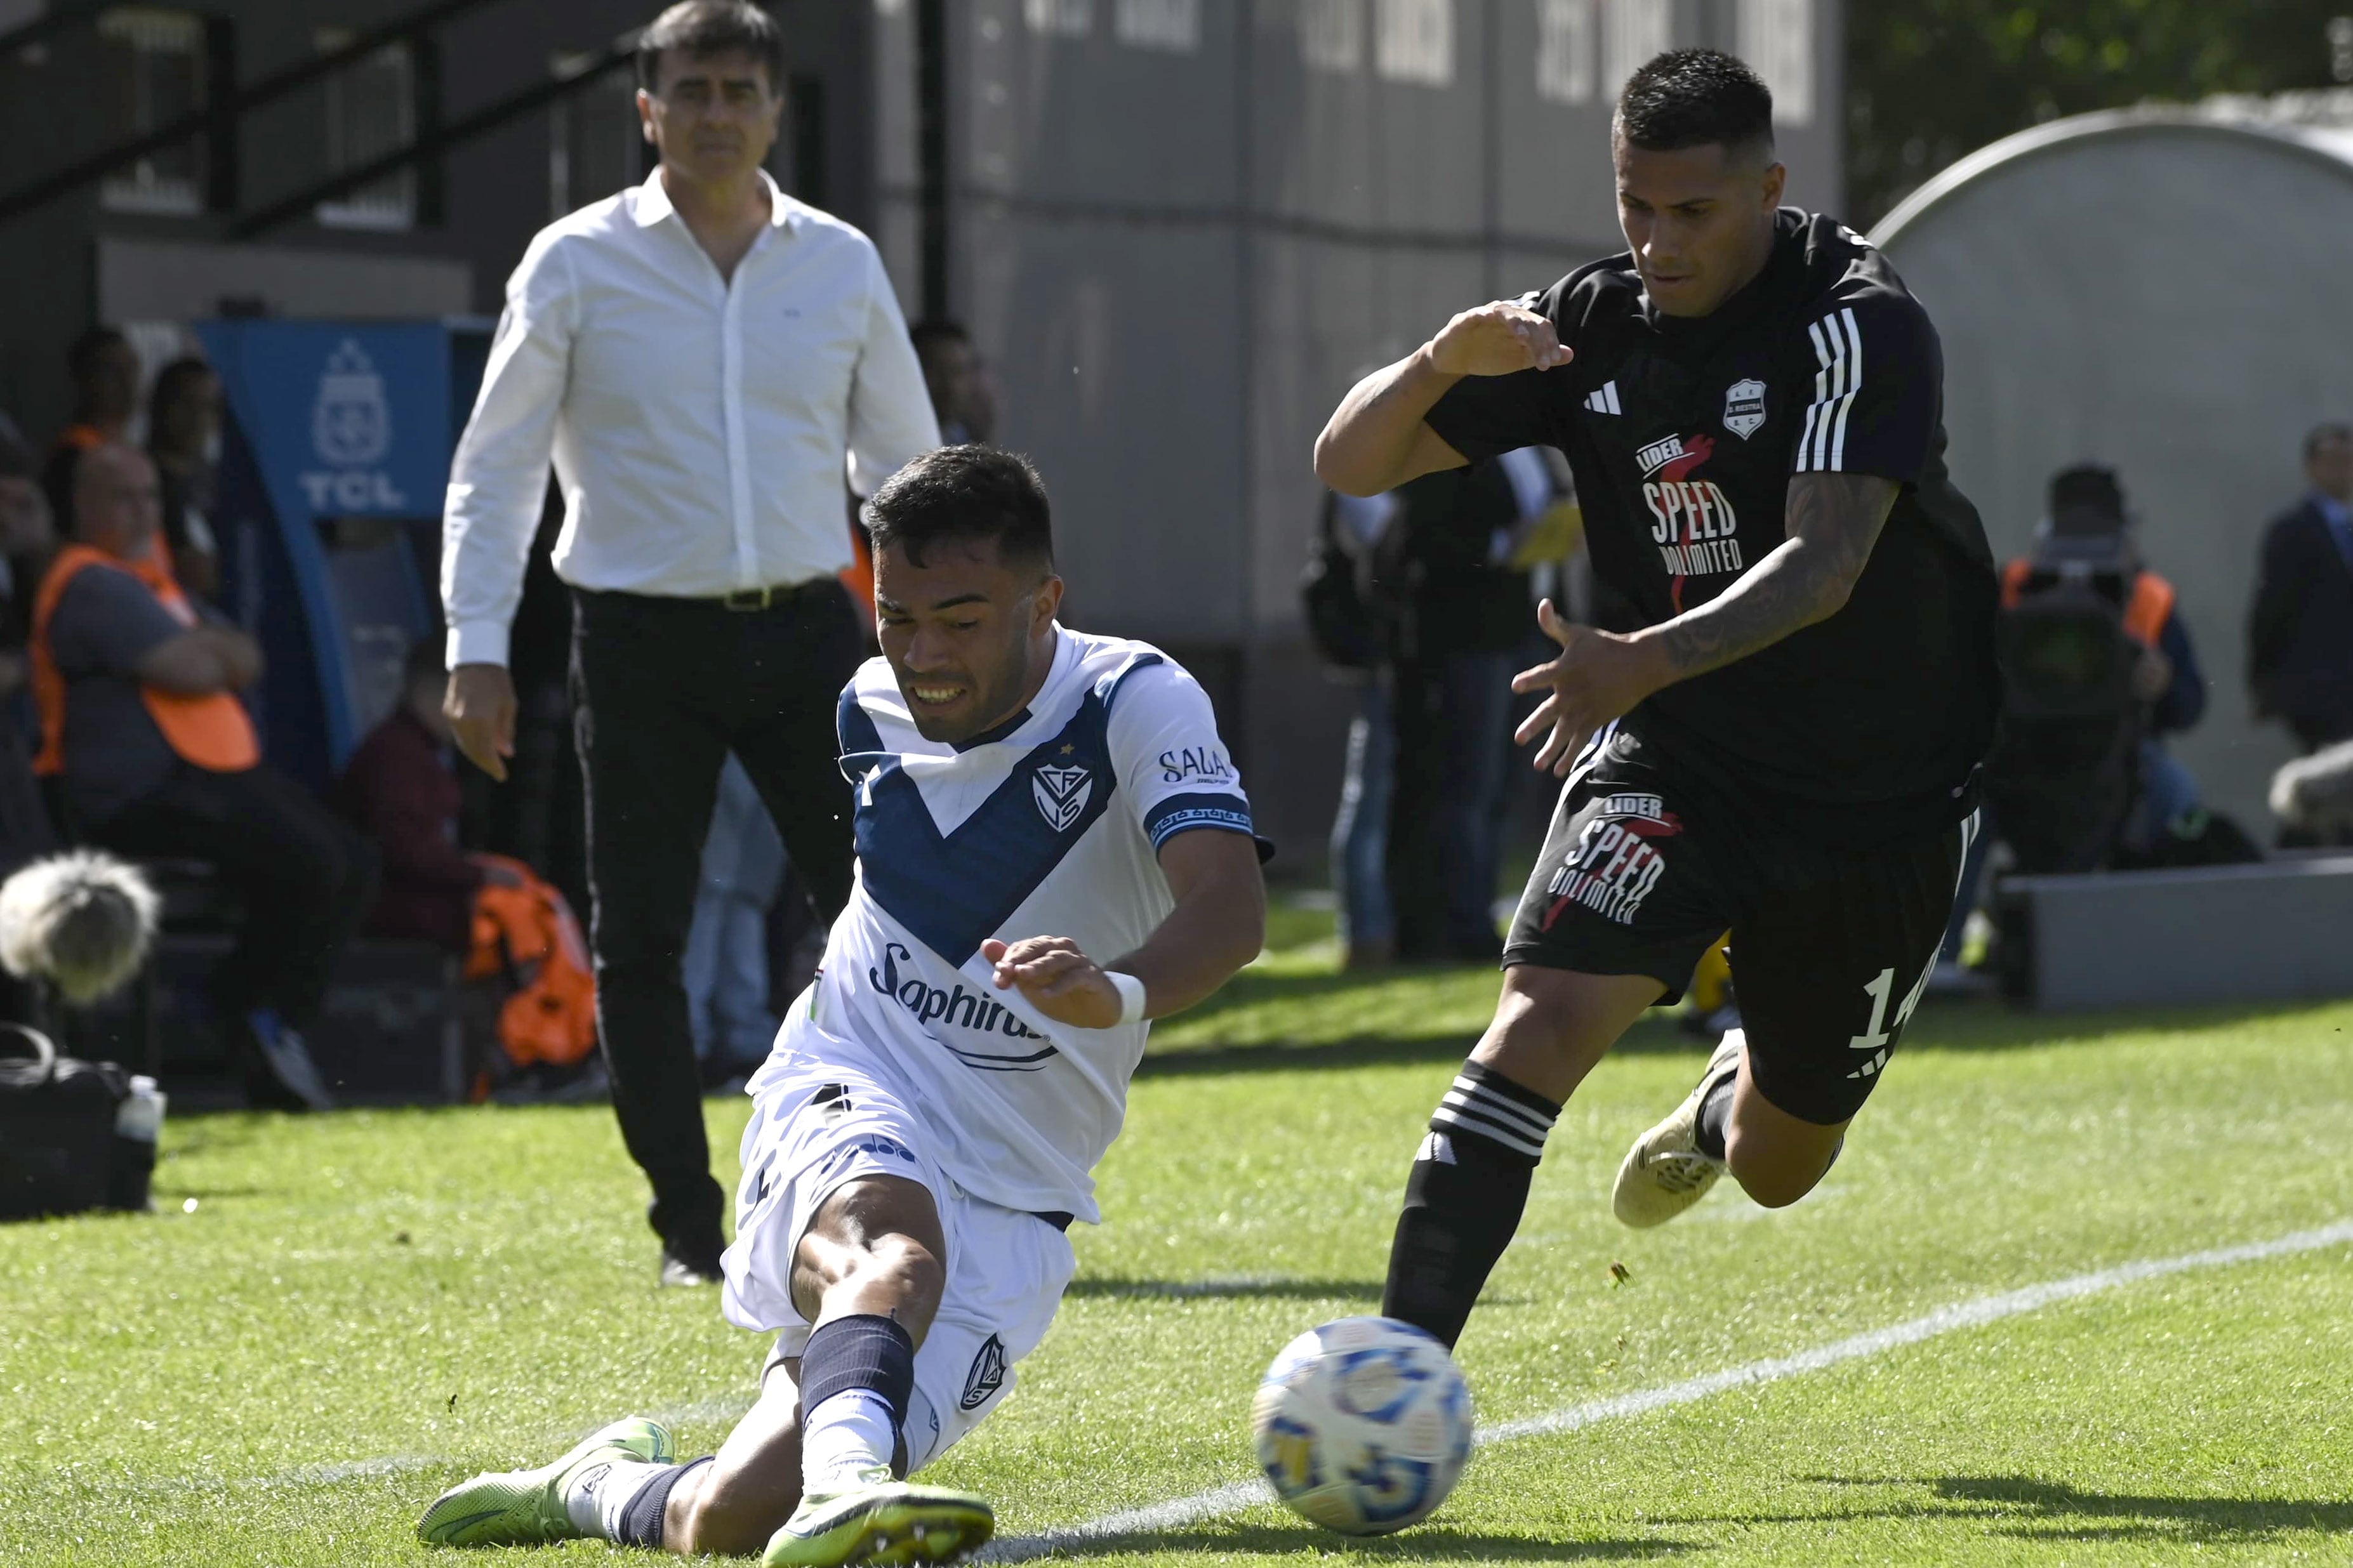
x=1831 y=947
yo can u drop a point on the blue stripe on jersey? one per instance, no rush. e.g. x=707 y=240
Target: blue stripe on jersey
x=861 y=742
x=1181 y=813
x=952 y=890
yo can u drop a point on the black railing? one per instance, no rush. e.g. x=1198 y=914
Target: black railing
x=433 y=142
x=216 y=121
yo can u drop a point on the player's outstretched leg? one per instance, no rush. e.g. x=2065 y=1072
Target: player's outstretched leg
x=813 y=1472
x=1470 y=1178
x=559 y=1501
x=1724 y=1124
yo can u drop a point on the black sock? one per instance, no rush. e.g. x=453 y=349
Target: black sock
x=1463 y=1201
x=1715 y=1114
x=860 y=1351
x=641 y=1515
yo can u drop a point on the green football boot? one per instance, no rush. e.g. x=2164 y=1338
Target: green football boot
x=522 y=1508
x=884 y=1520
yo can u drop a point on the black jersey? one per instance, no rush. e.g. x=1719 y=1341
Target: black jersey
x=1683 y=433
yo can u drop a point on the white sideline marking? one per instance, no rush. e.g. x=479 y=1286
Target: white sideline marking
x=1177 y=1513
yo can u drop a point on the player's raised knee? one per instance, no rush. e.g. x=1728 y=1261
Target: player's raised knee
x=1772 y=1172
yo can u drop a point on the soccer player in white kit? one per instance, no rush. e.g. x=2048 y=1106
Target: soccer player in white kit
x=925 y=1127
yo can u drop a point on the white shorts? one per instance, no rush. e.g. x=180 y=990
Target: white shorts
x=817 y=1126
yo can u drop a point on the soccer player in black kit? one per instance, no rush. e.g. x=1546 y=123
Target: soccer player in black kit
x=1783 y=742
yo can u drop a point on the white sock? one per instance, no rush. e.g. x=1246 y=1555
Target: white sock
x=849 y=1432
x=599 y=1493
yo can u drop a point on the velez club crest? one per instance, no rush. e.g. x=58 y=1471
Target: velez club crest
x=1061 y=794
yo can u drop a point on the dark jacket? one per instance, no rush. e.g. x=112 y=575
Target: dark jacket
x=1437 y=559
x=400 y=790
x=2183 y=702
x=2300 y=631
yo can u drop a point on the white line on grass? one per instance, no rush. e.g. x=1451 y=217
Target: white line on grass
x=1218 y=1501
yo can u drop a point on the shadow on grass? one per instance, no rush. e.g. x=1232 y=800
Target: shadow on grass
x=1987 y=1025
x=1657 y=1033
x=2023 y=1507
x=1433 y=1545
x=1241 y=1290
x=1971 y=1026
x=2073 y=1512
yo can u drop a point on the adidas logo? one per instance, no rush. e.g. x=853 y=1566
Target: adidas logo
x=1605 y=399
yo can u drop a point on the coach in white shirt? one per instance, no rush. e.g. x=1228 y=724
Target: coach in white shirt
x=704 y=357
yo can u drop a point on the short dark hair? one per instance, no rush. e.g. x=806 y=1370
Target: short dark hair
x=970 y=492
x=697 y=29
x=2087 y=498
x=1695 y=97
x=81 y=354
x=2320 y=436
x=937 y=330
x=171 y=381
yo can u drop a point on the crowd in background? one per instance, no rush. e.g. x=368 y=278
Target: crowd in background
x=408 y=843
x=1423 y=599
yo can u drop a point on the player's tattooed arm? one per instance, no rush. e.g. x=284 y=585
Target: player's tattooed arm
x=1833 y=521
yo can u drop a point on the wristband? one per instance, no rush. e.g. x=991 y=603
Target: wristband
x=1131 y=996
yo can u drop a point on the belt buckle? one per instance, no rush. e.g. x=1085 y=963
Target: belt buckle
x=747 y=599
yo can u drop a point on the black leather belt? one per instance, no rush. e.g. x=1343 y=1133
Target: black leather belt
x=750 y=599
x=1055 y=1217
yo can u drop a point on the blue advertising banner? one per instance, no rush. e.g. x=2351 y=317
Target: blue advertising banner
x=346 y=420
x=338 y=433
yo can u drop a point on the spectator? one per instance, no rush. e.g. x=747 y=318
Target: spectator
x=725 y=969
x=2300 y=630
x=1444 y=609
x=158 y=760
x=105 y=372
x=1464 y=619
x=528 y=992
x=1353 y=627
x=27 y=537
x=702 y=436
x=2087 y=532
x=964 y=396
x=183 y=423
x=400 y=790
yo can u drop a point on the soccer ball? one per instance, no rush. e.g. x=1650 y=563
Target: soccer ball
x=1363 y=1425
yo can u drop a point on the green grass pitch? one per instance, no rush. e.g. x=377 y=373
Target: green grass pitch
x=332 y=1319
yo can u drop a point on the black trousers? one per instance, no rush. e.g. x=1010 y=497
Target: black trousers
x=662 y=690
x=304 y=878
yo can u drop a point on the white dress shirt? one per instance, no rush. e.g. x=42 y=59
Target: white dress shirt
x=699 y=425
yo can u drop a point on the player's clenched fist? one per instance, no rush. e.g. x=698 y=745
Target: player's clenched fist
x=1496 y=339
x=1059 y=980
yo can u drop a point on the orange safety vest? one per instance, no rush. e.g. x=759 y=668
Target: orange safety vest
x=213 y=731
x=2146 y=608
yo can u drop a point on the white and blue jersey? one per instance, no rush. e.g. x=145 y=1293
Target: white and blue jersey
x=1049 y=824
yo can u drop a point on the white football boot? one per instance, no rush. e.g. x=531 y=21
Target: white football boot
x=1664 y=1172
